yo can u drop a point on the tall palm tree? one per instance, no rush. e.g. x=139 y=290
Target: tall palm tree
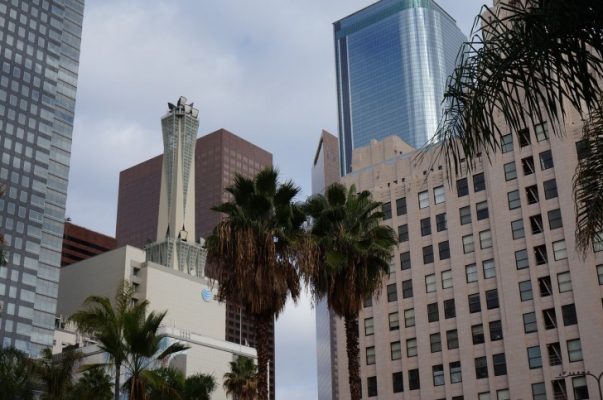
x=94 y=384
x=353 y=251
x=241 y=381
x=199 y=387
x=170 y=384
x=252 y=251
x=55 y=373
x=16 y=373
x=530 y=61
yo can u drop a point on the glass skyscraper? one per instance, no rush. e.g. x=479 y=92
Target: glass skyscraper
x=39 y=58
x=392 y=61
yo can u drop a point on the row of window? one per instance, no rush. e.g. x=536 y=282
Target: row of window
x=527 y=165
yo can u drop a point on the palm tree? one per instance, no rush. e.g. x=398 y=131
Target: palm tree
x=252 y=253
x=170 y=384
x=241 y=381
x=16 y=372
x=352 y=252
x=94 y=384
x=529 y=61
x=199 y=387
x=55 y=373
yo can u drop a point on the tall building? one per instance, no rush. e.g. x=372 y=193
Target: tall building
x=39 y=55
x=218 y=156
x=80 y=243
x=392 y=59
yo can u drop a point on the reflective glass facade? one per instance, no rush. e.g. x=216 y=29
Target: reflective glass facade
x=392 y=61
x=39 y=58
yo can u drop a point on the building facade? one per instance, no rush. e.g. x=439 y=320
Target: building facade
x=80 y=243
x=39 y=56
x=392 y=59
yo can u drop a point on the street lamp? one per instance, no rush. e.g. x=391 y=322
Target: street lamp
x=598 y=378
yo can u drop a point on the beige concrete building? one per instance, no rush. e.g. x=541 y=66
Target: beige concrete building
x=487 y=297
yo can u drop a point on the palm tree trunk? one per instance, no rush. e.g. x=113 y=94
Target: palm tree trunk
x=351 y=336
x=262 y=333
x=117 y=377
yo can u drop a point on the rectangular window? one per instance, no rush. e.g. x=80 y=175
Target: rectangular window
x=529 y=322
x=527 y=164
x=468 y=246
x=541 y=132
x=465 y=215
x=481 y=368
x=481 y=210
x=425 y=227
x=517 y=229
x=369 y=328
x=500 y=364
x=392 y=293
x=540 y=255
x=471 y=272
x=524 y=137
x=559 y=390
x=386 y=209
x=409 y=317
x=580 y=388
x=489 y=269
x=546 y=160
x=394 y=321
x=483 y=396
x=398 y=383
x=506 y=143
x=371 y=384
x=574 y=350
x=438 y=375
x=441 y=222
x=538 y=391
x=555 y=220
x=444 y=250
x=513 y=200
x=582 y=149
x=401 y=206
x=477 y=334
x=550 y=319
x=456 y=375
x=496 y=332
x=446 y=279
x=554 y=351
x=536 y=224
x=452 y=338
x=545 y=287
x=405 y=260
x=395 y=350
x=413 y=379
x=370 y=355
x=503 y=394
x=406 y=289
x=462 y=188
x=430 y=283
x=525 y=291
x=559 y=250
x=492 y=299
x=521 y=259
x=474 y=303
x=449 y=309
x=427 y=254
x=368 y=301
x=534 y=357
x=411 y=347
x=433 y=313
x=403 y=233
x=510 y=171
x=569 y=315
x=479 y=182
x=439 y=196
x=532 y=194
x=485 y=239
x=424 y=199
x=550 y=189
x=435 y=342
x=600 y=273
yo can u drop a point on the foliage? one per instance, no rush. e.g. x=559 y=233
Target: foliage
x=16 y=374
x=55 y=373
x=94 y=384
x=199 y=387
x=241 y=381
x=169 y=384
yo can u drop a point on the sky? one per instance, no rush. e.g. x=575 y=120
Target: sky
x=262 y=69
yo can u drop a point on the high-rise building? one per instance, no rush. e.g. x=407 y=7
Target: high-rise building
x=80 y=243
x=39 y=56
x=218 y=156
x=392 y=59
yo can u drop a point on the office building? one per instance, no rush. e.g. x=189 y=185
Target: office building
x=80 y=243
x=392 y=59
x=39 y=57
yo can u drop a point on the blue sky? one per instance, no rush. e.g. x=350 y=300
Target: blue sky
x=262 y=69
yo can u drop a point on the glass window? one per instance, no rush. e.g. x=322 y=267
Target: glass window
x=479 y=182
x=395 y=350
x=529 y=322
x=427 y=254
x=500 y=364
x=370 y=355
x=554 y=350
x=371 y=384
x=481 y=368
x=534 y=357
x=465 y=215
x=574 y=350
x=439 y=196
x=569 y=315
x=449 y=309
x=368 y=301
x=413 y=379
x=386 y=209
x=477 y=334
x=550 y=318
x=446 y=279
x=541 y=132
x=485 y=239
x=489 y=269
x=444 y=250
x=398 y=383
x=524 y=137
x=406 y=289
x=435 y=342
x=510 y=171
x=462 y=188
x=369 y=328
x=536 y=224
x=503 y=394
x=455 y=372
x=471 y=272
x=527 y=164
x=403 y=233
x=517 y=229
x=514 y=200
x=546 y=160
x=452 y=338
x=425 y=227
x=430 y=283
x=600 y=273
x=433 y=313
x=496 y=332
x=394 y=321
x=441 y=223
x=438 y=375
x=474 y=303
x=411 y=347
x=506 y=143
x=559 y=250
x=409 y=317
x=525 y=291
x=424 y=199
x=481 y=210
x=532 y=194
x=555 y=220
x=468 y=246
x=492 y=299
x=392 y=293
x=540 y=255
x=580 y=388
x=538 y=391
x=550 y=189
x=405 y=260
x=401 y=206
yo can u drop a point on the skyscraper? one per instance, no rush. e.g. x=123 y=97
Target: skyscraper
x=39 y=57
x=80 y=243
x=392 y=60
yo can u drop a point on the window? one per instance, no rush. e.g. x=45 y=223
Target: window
x=395 y=350
x=439 y=196
x=555 y=220
x=559 y=250
x=527 y=164
x=392 y=293
x=506 y=143
x=513 y=200
x=474 y=303
x=430 y=283
x=481 y=368
x=574 y=350
x=433 y=314
x=441 y=223
x=427 y=254
x=559 y=390
x=536 y=224
x=477 y=334
x=438 y=375
x=538 y=391
x=435 y=341
x=424 y=199
x=411 y=347
x=500 y=364
x=532 y=194
x=465 y=215
x=446 y=279
x=569 y=315
x=401 y=206
x=550 y=318
x=582 y=149
x=479 y=183
x=546 y=160
x=403 y=233
x=409 y=317
x=405 y=260
x=580 y=388
x=600 y=273
x=489 y=269
x=368 y=301
x=370 y=355
x=529 y=322
x=398 y=382
x=456 y=375
x=369 y=327
x=462 y=188
x=524 y=137
x=510 y=171
x=413 y=379
x=521 y=259
x=550 y=189
x=481 y=210
x=425 y=227
x=517 y=229
x=496 y=332
x=394 y=321
x=471 y=272
x=371 y=384
x=452 y=338
x=492 y=299
x=483 y=396
x=485 y=239
x=386 y=209
x=406 y=289
x=544 y=284
x=468 y=246
x=449 y=309
x=525 y=291
x=534 y=357
x=540 y=254
x=541 y=132
x=503 y=394
x=554 y=351
x=444 y=250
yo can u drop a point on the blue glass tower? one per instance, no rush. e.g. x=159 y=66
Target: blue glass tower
x=392 y=61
